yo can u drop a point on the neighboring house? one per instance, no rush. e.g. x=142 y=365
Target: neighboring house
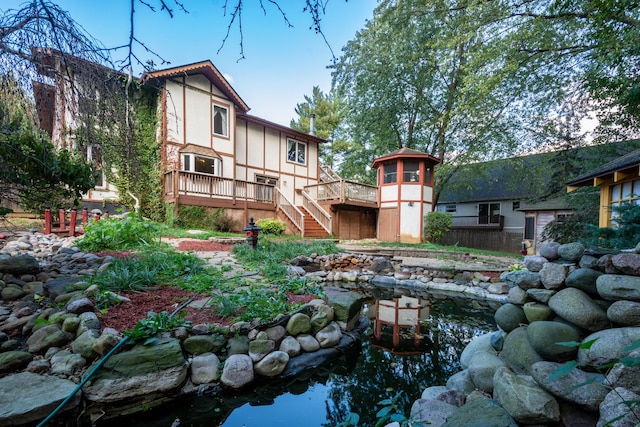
x=497 y=205
x=619 y=182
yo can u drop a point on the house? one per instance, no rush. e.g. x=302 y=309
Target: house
x=500 y=204
x=619 y=182
x=213 y=153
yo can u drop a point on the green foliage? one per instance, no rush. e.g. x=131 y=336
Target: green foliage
x=436 y=225
x=33 y=172
x=194 y=217
x=155 y=324
x=393 y=411
x=271 y=225
x=568 y=229
x=141 y=271
x=626 y=233
x=223 y=222
x=107 y=234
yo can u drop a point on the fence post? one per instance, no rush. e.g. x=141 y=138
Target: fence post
x=47 y=221
x=72 y=223
x=63 y=225
x=85 y=215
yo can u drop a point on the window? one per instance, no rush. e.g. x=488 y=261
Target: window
x=515 y=205
x=427 y=175
x=195 y=163
x=390 y=172
x=411 y=172
x=297 y=152
x=488 y=213
x=627 y=192
x=220 y=122
x=449 y=208
x=529 y=228
x=265 y=193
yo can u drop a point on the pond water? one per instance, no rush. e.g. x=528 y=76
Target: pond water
x=412 y=343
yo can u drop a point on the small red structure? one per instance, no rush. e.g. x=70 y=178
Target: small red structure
x=252 y=231
x=63 y=222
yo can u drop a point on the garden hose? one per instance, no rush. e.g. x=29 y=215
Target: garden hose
x=113 y=350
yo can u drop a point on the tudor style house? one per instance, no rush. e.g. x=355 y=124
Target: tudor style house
x=214 y=154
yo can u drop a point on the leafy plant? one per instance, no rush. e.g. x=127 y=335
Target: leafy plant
x=393 y=411
x=223 y=222
x=623 y=235
x=436 y=225
x=567 y=229
x=107 y=234
x=271 y=225
x=155 y=324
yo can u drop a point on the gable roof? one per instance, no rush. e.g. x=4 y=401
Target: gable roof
x=208 y=70
x=405 y=153
x=294 y=133
x=627 y=161
x=524 y=177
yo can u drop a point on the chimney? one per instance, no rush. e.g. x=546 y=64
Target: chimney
x=312 y=124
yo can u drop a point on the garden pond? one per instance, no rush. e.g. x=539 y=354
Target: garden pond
x=413 y=342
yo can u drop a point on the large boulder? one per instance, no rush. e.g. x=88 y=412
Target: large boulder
x=608 y=346
x=509 y=316
x=577 y=307
x=19 y=264
x=517 y=352
x=479 y=343
x=524 y=399
x=614 y=287
x=615 y=410
x=237 y=371
x=553 y=275
x=481 y=369
x=544 y=337
x=624 y=313
x=478 y=412
x=585 y=389
x=143 y=371
x=27 y=398
x=584 y=279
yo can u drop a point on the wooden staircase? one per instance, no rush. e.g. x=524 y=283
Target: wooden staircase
x=312 y=229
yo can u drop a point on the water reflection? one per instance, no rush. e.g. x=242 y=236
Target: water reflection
x=414 y=342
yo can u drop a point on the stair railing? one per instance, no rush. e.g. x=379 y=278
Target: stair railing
x=316 y=211
x=290 y=210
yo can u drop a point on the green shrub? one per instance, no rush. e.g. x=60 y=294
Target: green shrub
x=222 y=222
x=436 y=225
x=271 y=225
x=567 y=229
x=108 y=234
x=625 y=234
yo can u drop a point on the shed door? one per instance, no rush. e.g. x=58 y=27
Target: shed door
x=388 y=225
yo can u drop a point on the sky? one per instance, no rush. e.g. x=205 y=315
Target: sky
x=281 y=64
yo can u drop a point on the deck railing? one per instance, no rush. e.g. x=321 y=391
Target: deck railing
x=315 y=210
x=204 y=185
x=343 y=191
x=294 y=214
x=492 y=222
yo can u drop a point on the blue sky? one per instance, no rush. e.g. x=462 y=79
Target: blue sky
x=281 y=64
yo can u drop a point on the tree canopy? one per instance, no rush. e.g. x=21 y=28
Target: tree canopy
x=469 y=80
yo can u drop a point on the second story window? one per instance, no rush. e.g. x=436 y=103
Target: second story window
x=296 y=152
x=220 y=121
x=390 y=173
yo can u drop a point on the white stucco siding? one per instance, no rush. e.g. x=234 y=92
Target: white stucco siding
x=199 y=81
x=198 y=118
x=255 y=146
x=427 y=194
x=272 y=150
x=410 y=220
x=388 y=193
x=410 y=192
x=312 y=162
x=174 y=111
x=241 y=142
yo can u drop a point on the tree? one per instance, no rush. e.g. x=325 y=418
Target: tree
x=32 y=172
x=328 y=111
x=417 y=77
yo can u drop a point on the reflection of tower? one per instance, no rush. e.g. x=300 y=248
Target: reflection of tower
x=397 y=325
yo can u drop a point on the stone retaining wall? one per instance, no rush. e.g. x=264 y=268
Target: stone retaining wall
x=512 y=377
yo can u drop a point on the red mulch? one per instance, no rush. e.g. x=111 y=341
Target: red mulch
x=195 y=245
